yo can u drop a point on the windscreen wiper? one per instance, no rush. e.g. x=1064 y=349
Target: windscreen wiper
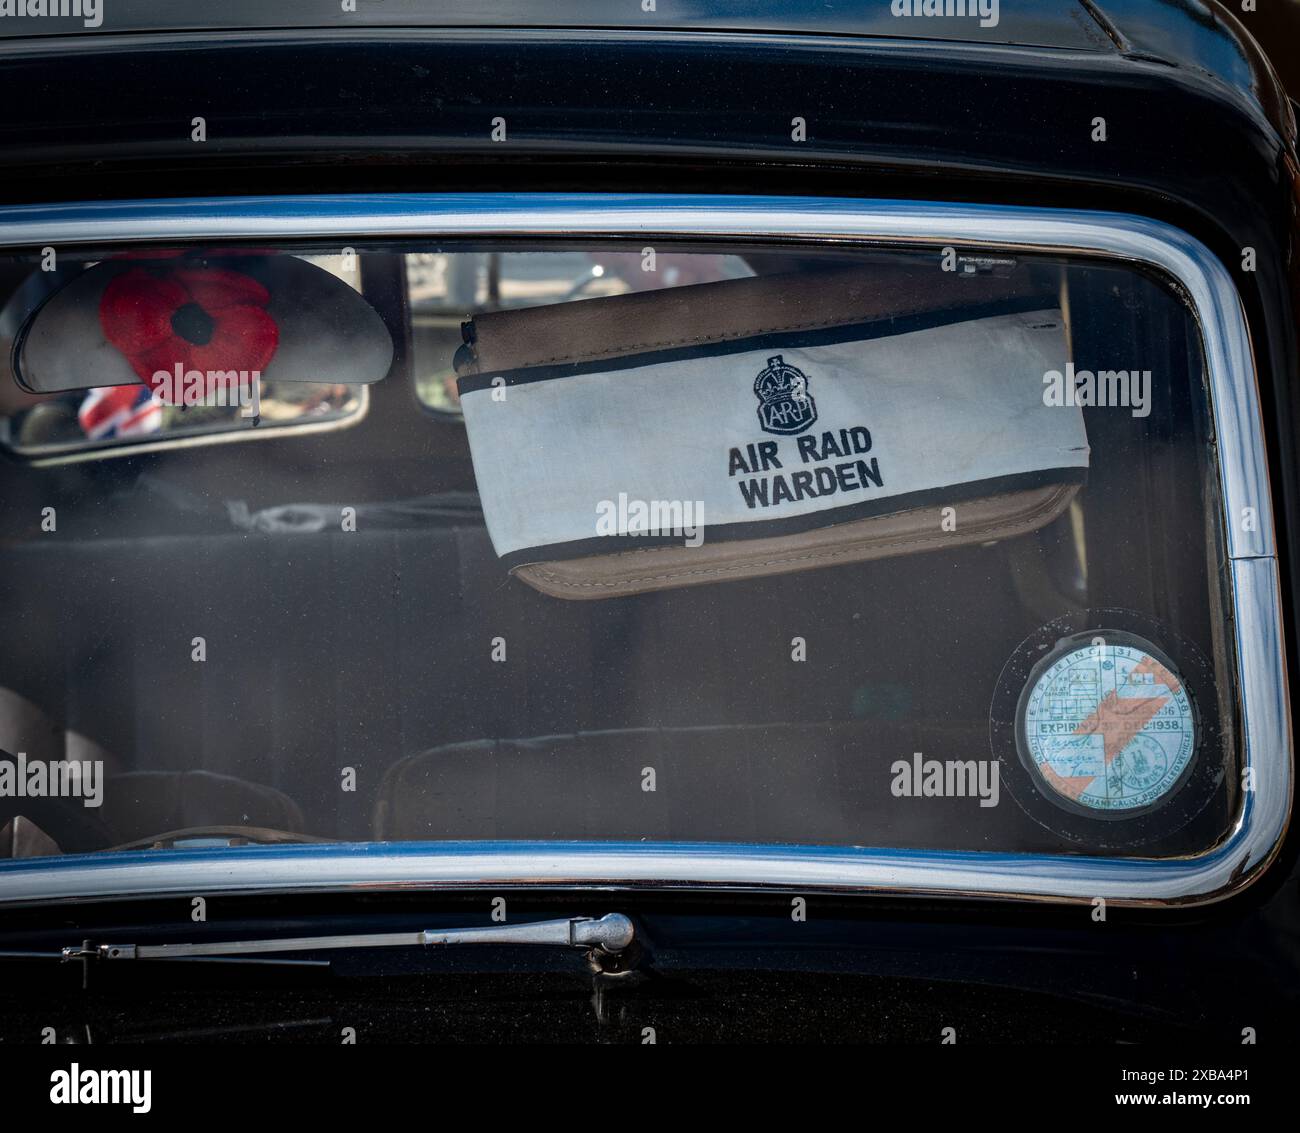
x=610 y=934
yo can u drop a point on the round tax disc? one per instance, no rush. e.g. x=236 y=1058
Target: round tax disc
x=1107 y=726
x=1109 y=735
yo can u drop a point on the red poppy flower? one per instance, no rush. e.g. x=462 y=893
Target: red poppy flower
x=203 y=319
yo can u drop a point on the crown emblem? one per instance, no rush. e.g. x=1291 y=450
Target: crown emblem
x=784 y=404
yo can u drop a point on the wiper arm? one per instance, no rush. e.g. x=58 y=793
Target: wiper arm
x=609 y=934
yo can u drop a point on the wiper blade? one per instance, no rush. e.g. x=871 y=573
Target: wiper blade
x=611 y=934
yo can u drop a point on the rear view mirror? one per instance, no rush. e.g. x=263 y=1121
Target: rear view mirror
x=194 y=327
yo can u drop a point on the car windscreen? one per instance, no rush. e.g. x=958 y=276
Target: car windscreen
x=589 y=541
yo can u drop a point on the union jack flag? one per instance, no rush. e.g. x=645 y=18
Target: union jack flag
x=120 y=411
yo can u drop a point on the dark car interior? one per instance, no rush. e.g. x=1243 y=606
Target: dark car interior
x=350 y=688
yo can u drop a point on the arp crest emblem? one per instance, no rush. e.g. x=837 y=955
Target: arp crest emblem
x=784 y=404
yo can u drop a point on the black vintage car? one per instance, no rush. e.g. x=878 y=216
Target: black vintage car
x=649 y=523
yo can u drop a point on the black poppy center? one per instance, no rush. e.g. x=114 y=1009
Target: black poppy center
x=193 y=324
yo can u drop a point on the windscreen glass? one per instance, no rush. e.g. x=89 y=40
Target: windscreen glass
x=785 y=544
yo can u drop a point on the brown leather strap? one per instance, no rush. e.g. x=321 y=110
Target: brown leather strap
x=858 y=541
x=591 y=330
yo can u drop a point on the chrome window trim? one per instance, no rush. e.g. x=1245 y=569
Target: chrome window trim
x=1253 y=573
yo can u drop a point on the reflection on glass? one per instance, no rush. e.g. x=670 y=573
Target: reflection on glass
x=49 y=423
x=447 y=288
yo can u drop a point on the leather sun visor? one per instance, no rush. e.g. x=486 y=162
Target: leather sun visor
x=765 y=425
